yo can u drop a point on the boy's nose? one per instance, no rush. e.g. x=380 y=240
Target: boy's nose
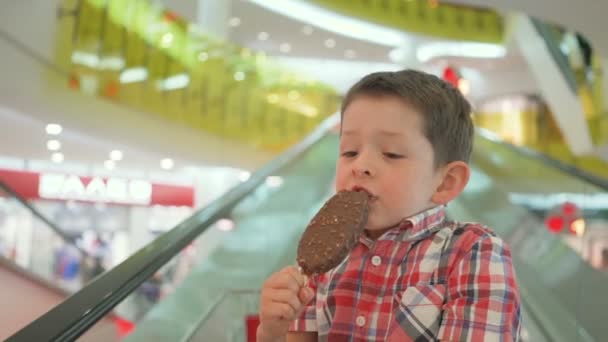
x=361 y=172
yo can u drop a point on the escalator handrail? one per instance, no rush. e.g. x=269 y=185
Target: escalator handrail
x=66 y=238
x=70 y=319
x=590 y=178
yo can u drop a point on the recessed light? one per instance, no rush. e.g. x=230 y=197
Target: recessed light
x=330 y=43
x=285 y=47
x=263 y=36
x=53 y=129
x=53 y=145
x=166 y=164
x=239 y=76
x=307 y=30
x=234 y=21
x=350 y=54
x=116 y=155
x=109 y=164
x=57 y=157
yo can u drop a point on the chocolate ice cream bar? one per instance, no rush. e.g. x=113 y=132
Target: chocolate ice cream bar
x=333 y=232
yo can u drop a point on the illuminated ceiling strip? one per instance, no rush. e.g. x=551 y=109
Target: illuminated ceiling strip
x=429 y=51
x=333 y=22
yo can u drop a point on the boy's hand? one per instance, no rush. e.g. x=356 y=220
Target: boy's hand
x=284 y=295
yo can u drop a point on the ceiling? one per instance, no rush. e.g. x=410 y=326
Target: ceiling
x=585 y=16
x=33 y=93
x=94 y=127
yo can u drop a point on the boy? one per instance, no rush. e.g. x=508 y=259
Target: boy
x=406 y=138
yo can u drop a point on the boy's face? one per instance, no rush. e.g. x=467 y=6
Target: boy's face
x=383 y=151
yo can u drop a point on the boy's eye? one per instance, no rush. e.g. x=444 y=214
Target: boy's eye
x=349 y=154
x=393 y=155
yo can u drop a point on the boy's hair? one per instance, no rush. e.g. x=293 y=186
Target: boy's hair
x=446 y=114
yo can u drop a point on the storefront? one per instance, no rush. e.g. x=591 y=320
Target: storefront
x=108 y=217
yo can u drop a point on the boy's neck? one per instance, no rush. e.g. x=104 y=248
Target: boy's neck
x=375 y=234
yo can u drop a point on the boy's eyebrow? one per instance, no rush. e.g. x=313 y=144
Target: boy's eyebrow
x=382 y=132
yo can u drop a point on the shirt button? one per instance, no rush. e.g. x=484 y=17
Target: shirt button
x=376 y=260
x=360 y=321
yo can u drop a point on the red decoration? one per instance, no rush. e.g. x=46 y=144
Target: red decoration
x=555 y=224
x=111 y=89
x=170 y=16
x=451 y=76
x=73 y=82
x=569 y=209
x=123 y=326
x=251 y=323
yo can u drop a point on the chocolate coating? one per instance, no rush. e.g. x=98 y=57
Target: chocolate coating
x=333 y=232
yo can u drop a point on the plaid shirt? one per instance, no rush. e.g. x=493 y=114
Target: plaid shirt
x=428 y=279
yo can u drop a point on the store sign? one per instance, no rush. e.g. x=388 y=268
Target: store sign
x=96 y=189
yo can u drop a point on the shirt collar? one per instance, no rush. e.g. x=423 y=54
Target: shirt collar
x=418 y=226
x=415 y=227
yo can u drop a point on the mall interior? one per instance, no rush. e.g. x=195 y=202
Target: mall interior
x=160 y=159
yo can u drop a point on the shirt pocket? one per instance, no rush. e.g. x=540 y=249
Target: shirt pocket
x=417 y=313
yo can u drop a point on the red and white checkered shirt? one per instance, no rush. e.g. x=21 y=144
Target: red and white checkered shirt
x=428 y=279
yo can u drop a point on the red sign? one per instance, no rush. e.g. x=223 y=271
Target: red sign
x=56 y=186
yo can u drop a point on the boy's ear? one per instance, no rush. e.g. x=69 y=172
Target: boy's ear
x=454 y=177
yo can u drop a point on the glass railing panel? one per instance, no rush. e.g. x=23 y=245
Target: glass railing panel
x=261 y=232
x=548 y=217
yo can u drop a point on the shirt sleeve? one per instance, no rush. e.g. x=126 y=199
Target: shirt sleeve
x=307 y=321
x=483 y=302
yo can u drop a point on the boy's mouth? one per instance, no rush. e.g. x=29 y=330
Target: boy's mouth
x=362 y=189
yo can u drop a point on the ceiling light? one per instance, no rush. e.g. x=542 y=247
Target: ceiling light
x=330 y=21
x=109 y=164
x=57 y=157
x=307 y=30
x=234 y=21
x=239 y=76
x=174 y=82
x=350 y=54
x=330 y=43
x=429 y=51
x=133 y=75
x=166 y=40
x=91 y=60
x=166 y=164
x=203 y=56
x=53 y=145
x=285 y=47
x=399 y=54
x=116 y=155
x=53 y=129
x=263 y=36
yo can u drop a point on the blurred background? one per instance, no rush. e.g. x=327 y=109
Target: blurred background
x=159 y=159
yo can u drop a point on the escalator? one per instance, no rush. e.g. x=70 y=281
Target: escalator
x=40 y=266
x=512 y=190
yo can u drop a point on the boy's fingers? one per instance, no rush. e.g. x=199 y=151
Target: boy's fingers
x=300 y=278
x=286 y=296
x=281 y=311
x=305 y=295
